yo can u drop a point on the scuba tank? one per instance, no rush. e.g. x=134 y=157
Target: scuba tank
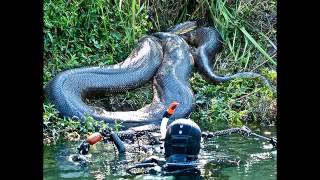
x=182 y=144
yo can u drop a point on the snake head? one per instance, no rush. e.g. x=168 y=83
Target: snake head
x=183 y=27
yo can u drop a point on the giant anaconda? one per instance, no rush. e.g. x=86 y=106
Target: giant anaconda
x=164 y=56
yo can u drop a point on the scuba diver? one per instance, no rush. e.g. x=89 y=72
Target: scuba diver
x=180 y=140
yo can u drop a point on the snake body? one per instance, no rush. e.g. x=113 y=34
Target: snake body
x=68 y=90
x=171 y=61
x=207 y=42
x=165 y=56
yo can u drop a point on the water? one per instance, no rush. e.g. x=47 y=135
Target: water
x=257 y=160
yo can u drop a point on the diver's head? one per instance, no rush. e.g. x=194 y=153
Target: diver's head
x=182 y=141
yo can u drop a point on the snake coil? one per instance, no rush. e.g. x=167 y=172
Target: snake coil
x=167 y=57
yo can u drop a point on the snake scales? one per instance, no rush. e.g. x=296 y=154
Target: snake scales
x=167 y=57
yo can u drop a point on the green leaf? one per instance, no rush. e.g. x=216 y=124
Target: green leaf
x=254 y=42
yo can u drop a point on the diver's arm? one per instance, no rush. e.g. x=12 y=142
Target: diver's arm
x=97 y=137
x=117 y=141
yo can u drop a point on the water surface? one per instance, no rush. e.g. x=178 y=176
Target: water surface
x=257 y=160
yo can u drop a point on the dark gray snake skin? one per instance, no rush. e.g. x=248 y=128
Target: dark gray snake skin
x=207 y=43
x=165 y=56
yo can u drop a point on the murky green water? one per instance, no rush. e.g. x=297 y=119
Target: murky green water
x=258 y=160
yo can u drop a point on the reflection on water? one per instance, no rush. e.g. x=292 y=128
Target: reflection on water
x=257 y=160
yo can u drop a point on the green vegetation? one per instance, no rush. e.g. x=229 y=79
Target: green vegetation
x=101 y=32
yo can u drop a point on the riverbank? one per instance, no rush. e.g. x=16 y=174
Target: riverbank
x=103 y=32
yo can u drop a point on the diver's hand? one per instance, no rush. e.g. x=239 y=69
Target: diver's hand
x=83 y=148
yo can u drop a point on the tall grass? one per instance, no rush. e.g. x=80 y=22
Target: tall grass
x=90 y=32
